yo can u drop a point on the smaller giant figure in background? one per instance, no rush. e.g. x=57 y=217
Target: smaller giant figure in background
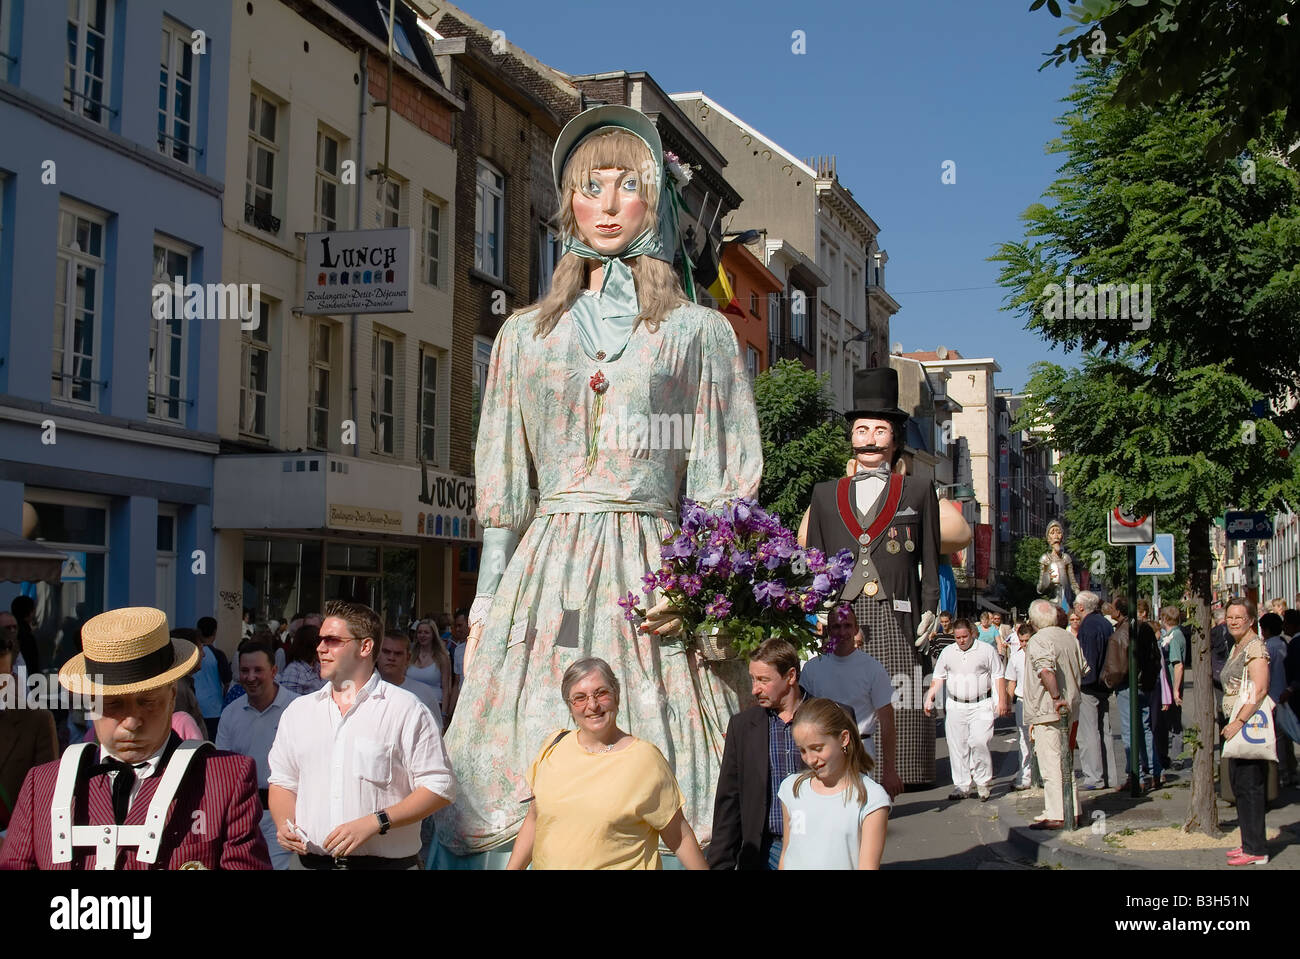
x=1056 y=578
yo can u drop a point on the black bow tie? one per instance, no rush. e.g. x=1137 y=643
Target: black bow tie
x=122 y=785
x=880 y=472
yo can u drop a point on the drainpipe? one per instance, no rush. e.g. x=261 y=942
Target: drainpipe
x=356 y=225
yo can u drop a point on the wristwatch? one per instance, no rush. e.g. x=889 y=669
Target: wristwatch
x=384 y=821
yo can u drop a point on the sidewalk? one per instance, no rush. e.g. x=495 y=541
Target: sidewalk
x=1121 y=832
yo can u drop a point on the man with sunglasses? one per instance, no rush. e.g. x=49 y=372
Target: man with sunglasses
x=357 y=765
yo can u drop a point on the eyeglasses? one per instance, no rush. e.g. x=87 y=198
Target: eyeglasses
x=600 y=695
x=334 y=642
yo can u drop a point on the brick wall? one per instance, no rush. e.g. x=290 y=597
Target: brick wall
x=414 y=103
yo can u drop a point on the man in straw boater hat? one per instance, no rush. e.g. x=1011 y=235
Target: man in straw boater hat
x=140 y=798
x=890 y=522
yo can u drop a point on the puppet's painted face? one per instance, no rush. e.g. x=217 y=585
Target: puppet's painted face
x=1054 y=535
x=609 y=210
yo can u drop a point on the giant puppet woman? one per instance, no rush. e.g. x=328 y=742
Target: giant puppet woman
x=574 y=383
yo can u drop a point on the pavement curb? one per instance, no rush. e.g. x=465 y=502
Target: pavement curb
x=1047 y=849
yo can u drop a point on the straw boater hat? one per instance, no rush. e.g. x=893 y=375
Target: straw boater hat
x=127 y=651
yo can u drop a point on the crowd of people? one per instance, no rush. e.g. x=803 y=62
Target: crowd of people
x=1057 y=674
x=340 y=721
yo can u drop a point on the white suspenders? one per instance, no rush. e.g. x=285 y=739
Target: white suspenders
x=64 y=834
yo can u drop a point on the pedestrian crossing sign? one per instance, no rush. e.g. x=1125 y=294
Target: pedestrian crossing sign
x=74 y=568
x=1157 y=559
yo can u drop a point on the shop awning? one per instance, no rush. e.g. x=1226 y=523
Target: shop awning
x=991 y=606
x=25 y=561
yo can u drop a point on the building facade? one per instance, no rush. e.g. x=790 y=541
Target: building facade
x=111 y=176
x=975 y=455
x=779 y=196
x=758 y=291
x=338 y=477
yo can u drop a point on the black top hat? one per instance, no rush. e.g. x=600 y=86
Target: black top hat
x=875 y=396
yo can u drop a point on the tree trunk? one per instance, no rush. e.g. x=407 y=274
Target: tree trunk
x=1203 y=814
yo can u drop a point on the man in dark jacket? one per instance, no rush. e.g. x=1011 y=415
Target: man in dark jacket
x=759 y=754
x=1096 y=744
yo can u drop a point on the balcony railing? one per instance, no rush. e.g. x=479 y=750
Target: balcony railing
x=260 y=219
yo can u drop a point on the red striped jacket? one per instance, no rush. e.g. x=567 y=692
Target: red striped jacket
x=213 y=823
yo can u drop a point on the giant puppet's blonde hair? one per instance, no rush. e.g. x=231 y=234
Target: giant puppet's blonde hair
x=657 y=287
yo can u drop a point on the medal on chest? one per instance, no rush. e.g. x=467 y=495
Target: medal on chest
x=892 y=545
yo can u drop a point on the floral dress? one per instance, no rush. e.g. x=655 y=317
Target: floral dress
x=678 y=405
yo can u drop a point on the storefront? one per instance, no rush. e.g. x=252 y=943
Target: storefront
x=129 y=508
x=297 y=530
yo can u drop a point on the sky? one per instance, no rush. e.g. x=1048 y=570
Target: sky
x=893 y=90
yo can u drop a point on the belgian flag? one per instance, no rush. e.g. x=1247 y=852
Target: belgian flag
x=710 y=275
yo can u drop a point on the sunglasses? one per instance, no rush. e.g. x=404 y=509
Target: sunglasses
x=333 y=642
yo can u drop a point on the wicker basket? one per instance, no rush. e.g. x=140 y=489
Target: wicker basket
x=715 y=644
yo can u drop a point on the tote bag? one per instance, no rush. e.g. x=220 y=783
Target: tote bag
x=1257 y=739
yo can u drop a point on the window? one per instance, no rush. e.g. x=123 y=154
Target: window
x=78 y=295
x=798 y=318
x=259 y=188
x=6 y=58
x=428 y=411
x=431 y=240
x=549 y=251
x=753 y=303
x=255 y=367
x=319 y=407
x=774 y=317
x=751 y=361
x=389 y=213
x=171 y=263
x=176 y=100
x=482 y=360
x=384 y=392
x=401 y=42
x=489 y=222
x=328 y=150
x=85 y=84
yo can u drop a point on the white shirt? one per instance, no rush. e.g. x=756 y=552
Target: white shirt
x=857 y=680
x=866 y=491
x=345 y=767
x=969 y=675
x=1015 y=672
x=425 y=694
x=248 y=732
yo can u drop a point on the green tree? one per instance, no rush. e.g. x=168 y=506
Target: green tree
x=1159 y=414
x=1022 y=580
x=1180 y=49
x=804 y=439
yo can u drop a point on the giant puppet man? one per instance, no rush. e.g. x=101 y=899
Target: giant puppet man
x=890 y=522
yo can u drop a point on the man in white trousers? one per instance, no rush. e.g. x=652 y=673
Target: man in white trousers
x=971 y=675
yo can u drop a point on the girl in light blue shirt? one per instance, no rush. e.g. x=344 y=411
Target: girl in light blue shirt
x=835 y=815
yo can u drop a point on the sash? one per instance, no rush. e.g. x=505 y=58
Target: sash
x=850 y=520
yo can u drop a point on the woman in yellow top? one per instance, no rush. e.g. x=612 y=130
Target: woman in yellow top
x=601 y=798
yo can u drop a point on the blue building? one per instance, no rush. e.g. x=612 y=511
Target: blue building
x=112 y=147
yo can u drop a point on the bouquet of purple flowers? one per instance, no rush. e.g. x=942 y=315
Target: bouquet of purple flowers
x=740 y=570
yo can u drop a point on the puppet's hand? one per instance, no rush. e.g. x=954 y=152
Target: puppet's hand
x=926 y=630
x=662 y=619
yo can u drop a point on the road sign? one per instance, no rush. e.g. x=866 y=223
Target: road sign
x=74 y=568
x=1158 y=558
x=1125 y=529
x=1247 y=525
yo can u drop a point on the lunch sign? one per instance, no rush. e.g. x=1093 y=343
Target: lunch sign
x=359 y=271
